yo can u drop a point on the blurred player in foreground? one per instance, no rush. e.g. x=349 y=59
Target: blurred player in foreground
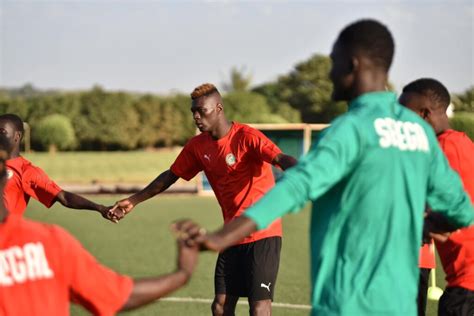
x=43 y=268
x=26 y=180
x=369 y=177
x=430 y=99
x=237 y=160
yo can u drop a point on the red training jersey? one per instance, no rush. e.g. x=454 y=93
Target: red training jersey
x=457 y=253
x=43 y=268
x=238 y=167
x=24 y=181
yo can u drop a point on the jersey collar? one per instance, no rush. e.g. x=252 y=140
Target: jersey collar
x=378 y=98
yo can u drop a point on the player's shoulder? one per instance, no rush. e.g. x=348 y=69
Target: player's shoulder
x=246 y=131
x=452 y=135
x=198 y=140
x=44 y=231
x=456 y=139
x=19 y=164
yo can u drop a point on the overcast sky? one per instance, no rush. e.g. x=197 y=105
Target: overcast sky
x=166 y=46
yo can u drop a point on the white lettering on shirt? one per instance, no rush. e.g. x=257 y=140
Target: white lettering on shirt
x=402 y=135
x=21 y=264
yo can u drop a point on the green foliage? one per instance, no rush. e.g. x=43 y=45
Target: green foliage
x=308 y=89
x=107 y=120
x=249 y=107
x=464 y=102
x=239 y=80
x=464 y=122
x=55 y=132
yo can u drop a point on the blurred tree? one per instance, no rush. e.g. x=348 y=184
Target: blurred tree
x=107 y=120
x=308 y=89
x=277 y=106
x=17 y=106
x=54 y=132
x=249 y=107
x=464 y=122
x=239 y=80
x=148 y=109
x=464 y=102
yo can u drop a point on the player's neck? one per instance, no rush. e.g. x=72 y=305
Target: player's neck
x=221 y=130
x=369 y=81
x=15 y=153
x=442 y=126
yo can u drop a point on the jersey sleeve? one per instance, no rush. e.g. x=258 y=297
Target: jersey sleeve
x=262 y=146
x=445 y=191
x=326 y=163
x=92 y=285
x=38 y=185
x=186 y=165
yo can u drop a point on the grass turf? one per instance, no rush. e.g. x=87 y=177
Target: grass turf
x=104 y=167
x=141 y=245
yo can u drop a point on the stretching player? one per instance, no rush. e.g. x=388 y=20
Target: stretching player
x=430 y=99
x=26 y=180
x=237 y=161
x=369 y=177
x=43 y=268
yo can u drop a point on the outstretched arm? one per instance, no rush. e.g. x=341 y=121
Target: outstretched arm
x=71 y=200
x=160 y=184
x=284 y=161
x=147 y=290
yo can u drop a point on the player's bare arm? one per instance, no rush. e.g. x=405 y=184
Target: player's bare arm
x=160 y=184
x=147 y=290
x=227 y=236
x=284 y=161
x=71 y=200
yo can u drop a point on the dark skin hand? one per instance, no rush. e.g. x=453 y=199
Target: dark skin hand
x=148 y=290
x=125 y=206
x=436 y=226
x=230 y=234
x=284 y=161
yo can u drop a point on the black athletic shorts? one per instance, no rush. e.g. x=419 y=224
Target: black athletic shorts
x=456 y=301
x=249 y=270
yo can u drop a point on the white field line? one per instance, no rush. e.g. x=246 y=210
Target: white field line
x=240 y=302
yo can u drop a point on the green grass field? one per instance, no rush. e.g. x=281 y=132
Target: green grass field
x=104 y=167
x=141 y=245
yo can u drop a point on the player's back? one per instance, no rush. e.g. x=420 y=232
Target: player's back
x=31 y=282
x=366 y=230
x=42 y=268
x=459 y=150
x=457 y=253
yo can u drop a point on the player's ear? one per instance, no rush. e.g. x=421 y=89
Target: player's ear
x=219 y=107
x=18 y=136
x=354 y=64
x=425 y=113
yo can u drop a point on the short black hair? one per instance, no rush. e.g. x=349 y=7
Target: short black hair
x=15 y=120
x=370 y=38
x=430 y=88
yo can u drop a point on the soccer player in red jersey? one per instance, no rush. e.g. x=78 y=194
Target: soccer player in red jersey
x=26 y=180
x=43 y=268
x=430 y=99
x=237 y=160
